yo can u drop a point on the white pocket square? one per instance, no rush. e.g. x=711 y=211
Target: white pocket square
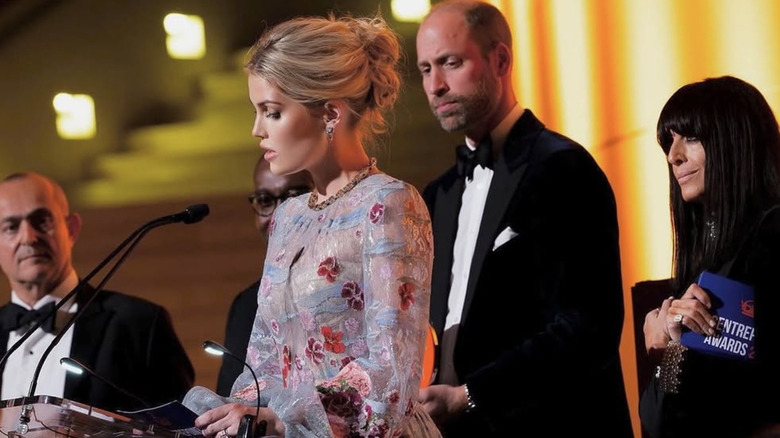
x=504 y=237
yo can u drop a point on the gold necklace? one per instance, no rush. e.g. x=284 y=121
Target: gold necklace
x=364 y=172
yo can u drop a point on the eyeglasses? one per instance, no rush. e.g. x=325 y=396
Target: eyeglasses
x=264 y=203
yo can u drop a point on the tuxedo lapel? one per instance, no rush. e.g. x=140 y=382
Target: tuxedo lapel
x=445 y=225
x=508 y=171
x=88 y=333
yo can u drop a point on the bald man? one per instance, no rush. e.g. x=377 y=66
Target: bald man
x=270 y=191
x=126 y=340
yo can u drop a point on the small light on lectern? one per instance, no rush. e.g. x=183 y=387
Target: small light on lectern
x=71 y=366
x=213 y=348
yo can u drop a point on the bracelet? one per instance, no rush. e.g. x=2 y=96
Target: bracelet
x=470 y=405
x=668 y=373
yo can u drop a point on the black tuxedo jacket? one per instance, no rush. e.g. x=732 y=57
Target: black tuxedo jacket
x=538 y=343
x=129 y=342
x=237 y=331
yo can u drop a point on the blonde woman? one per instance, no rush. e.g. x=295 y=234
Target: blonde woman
x=343 y=302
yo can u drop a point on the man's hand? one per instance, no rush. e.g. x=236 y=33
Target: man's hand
x=443 y=402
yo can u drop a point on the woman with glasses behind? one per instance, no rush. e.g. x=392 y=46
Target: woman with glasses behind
x=270 y=191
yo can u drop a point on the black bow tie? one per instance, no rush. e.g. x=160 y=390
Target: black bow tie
x=468 y=159
x=16 y=317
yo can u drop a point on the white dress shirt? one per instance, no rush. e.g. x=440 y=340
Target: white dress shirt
x=469 y=221
x=21 y=365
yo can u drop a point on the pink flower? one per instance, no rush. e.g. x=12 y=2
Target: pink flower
x=358 y=348
x=298 y=362
x=352 y=325
x=314 y=351
x=406 y=291
x=329 y=269
x=307 y=320
x=376 y=213
x=352 y=292
x=275 y=326
x=354 y=377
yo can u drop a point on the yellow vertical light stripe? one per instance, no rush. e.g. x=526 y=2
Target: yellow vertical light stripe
x=650 y=60
x=748 y=42
x=525 y=80
x=571 y=41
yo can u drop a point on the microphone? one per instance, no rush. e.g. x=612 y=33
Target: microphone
x=75 y=367
x=191 y=214
x=246 y=428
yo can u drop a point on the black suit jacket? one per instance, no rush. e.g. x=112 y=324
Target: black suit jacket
x=240 y=319
x=538 y=343
x=129 y=342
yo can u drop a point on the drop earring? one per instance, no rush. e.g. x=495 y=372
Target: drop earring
x=329 y=132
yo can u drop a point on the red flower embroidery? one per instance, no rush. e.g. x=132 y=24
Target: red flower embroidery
x=352 y=292
x=406 y=291
x=394 y=397
x=333 y=340
x=329 y=269
x=314 y=351
x=376 y=213
x=287 y=359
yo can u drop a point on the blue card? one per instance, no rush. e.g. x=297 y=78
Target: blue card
x=732 y=303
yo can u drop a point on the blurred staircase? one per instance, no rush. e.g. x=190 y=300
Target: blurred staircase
x=211 y=154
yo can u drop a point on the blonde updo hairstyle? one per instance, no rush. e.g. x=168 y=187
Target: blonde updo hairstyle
x=316 y=59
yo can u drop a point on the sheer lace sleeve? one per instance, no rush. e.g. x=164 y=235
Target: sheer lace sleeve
x=397 y=257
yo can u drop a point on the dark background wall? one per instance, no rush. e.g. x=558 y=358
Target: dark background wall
x=169 y=133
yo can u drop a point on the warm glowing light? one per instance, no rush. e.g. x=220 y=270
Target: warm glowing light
x=410 y=10
x=572 y=52
x=186 y=36
x=75 y=116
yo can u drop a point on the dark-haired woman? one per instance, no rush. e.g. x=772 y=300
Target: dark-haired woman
x=722 y=143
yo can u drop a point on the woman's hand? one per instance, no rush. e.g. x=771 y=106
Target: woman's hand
x=223 y=421
x=692 y=310
x=655 y=329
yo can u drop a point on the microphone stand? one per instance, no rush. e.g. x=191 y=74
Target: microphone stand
x=192 y=214
x=246 y=428
x=73 y=364
x=73 y=292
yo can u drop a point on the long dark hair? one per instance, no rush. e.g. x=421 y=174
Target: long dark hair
x=741 y=140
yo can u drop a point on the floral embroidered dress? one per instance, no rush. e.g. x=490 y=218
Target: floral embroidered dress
x=343 y=306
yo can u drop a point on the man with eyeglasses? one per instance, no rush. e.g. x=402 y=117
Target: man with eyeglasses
x=270 y=191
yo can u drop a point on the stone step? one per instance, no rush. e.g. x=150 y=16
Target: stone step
x=226 y=128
